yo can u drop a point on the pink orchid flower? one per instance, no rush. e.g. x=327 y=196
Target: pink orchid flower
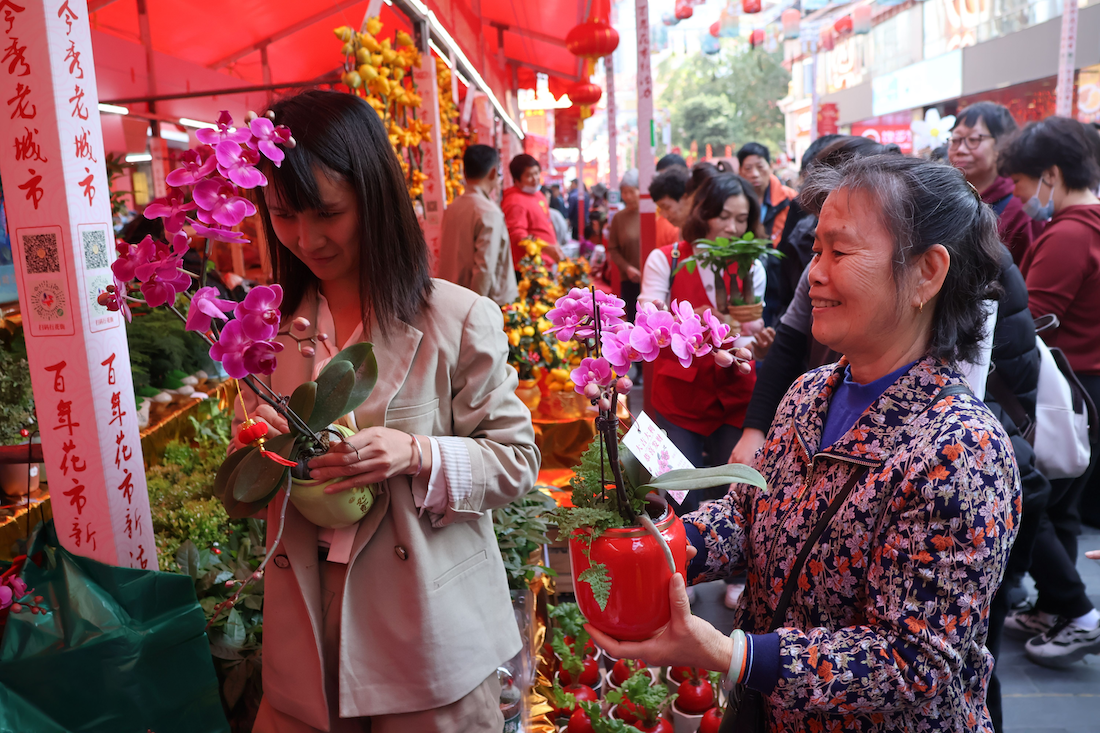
x=130 y=256
x=618 y=350
x=115 y=300
x=167 y=282
x=259 y=358
x=219 y=234
x=258 y=313
x=230 y=348
x=198 y=163
x=206 y=306
x=172 y=208
x=225 y=131
x=266 y=138
x=689 y=340
x=6 y=596
x=644 y=342
x=238 y=164
x=658 y=323
x=18 y=588
x=218 y=202
x=592 y=371
x=566 y=317
x=717 y=332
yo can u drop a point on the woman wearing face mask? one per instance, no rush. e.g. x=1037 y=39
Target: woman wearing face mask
x=973 y=150
x=701 y=407
x=1053 y=165
x=399 y=622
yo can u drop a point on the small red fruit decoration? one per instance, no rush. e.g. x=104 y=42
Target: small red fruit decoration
x=844 y=25
x=579 y=722
x=624 y=668
x=641 y=703
x=712 y=721
x=590 y=674
x=564 y=700
x=750 y=6
x=679 y=674
x=695 y=696
x=661 y=726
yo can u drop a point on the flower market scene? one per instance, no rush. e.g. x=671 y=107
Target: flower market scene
x=558 y=366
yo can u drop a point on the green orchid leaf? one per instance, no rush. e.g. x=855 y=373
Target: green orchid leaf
x=334 y=387
x=333 y=384
x=257 y=476
x=302 y=401
x=225 y=471
x=705 y=478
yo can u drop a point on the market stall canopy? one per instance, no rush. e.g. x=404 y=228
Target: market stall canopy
x=212 y=45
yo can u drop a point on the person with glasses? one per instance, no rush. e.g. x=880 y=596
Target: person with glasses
x=973 y=149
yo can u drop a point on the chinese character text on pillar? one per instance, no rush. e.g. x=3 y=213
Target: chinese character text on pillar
x=59 y=220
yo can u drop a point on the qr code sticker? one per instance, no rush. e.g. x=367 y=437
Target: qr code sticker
x=95 y=249
x=40 y=253
x=96 y=285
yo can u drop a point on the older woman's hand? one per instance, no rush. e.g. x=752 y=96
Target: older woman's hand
x=368 y=457
x=1093 y=554
x=686 y=641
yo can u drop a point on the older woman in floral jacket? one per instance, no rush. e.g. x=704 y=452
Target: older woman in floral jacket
x=886 y=626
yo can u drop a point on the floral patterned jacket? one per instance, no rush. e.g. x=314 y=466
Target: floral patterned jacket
x=886 y=630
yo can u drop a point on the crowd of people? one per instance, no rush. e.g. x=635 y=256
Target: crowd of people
x=891 y=405
x=898 y=279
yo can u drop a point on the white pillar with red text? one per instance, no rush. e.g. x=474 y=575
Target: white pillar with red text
x=647 y=209
x=59 y=220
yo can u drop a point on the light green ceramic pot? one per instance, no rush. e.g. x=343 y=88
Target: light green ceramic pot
x=332 y=511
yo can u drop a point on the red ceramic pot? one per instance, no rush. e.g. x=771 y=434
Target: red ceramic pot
x=638 y=605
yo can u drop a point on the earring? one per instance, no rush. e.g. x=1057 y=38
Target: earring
x=920 y=308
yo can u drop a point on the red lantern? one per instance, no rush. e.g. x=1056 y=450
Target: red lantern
x=844 y=25
x=750 y=6
x=684 y=10
x=757 y=38
x=585 y=94
x=792 y=19
x=861 y=19
x=714 y=29
x=828 y=40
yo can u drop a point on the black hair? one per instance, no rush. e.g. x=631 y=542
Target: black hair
x=700 y=173
x=478 y=160
x=846 y=147
x=939 y=155
x=520 y=164
x=670 y=160
x=341 y=136
x=815 y=149
x=669 y=183
x=725 y=166
x=922 y=203
x=711 y=198
x=998 y=120
x=1056 y=141
x=753 y=149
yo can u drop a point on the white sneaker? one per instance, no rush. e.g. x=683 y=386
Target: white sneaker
x=1063 y=644
x=733 y=595
x=1028 y=622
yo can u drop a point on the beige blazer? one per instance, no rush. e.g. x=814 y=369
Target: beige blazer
x=426 y=612
x=475 y=251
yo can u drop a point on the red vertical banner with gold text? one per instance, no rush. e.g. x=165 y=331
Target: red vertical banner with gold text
x=59 y=220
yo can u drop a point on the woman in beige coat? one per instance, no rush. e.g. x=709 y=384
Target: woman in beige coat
x=397 y=623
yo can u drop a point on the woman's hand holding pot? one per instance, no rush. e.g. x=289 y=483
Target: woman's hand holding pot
x=370 y=457
x=687 y=640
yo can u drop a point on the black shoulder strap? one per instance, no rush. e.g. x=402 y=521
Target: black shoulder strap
x=834 y=507
x=998 y=389
x=672 y=272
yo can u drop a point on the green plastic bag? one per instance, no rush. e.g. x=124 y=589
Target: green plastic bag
x=116 y=650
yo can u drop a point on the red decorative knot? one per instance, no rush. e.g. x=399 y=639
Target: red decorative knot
x=251 y=431
x=24 y=432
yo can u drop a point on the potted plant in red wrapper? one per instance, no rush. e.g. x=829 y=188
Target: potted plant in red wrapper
x=206 y=193
x=625 y=541
x=642 y=704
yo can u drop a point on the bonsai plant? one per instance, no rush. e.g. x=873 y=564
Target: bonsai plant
x=742 y=304
x=573 y=647
x=642 y=703
x=615 y=499
x=17 y=420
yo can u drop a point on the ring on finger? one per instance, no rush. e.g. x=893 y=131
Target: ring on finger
x=357 y=458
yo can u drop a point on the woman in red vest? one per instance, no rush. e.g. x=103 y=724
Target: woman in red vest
x=701 y=407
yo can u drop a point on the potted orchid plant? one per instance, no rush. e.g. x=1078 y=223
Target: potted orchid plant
x=625 y=540
x=719 y=254
x=206 y=195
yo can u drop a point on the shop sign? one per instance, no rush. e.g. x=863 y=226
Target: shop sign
x=917 y=85
x=1088 y=94
x=827 y=116
x=900 y=135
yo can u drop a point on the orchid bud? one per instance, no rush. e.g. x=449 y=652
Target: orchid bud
x=258 y=575
x=322 y=338
x=249 y=116
x=723 y=358
x=291 y=143
x=16 y=608
x=624 y=385
x=307 y=351
x=270 y=114
x=229 y=584
x=605 y=404
x=592 y=391
x=300 y=324
x=103 y=298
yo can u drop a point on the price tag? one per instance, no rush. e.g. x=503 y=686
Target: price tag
x=655 y=451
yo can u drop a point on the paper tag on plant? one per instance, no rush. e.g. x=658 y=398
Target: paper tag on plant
x=655 y=451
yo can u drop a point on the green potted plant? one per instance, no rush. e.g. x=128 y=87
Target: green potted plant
x=17 y=421
x=719 y=254
x=642 y=703
x=521 y=529
x=625 y=541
